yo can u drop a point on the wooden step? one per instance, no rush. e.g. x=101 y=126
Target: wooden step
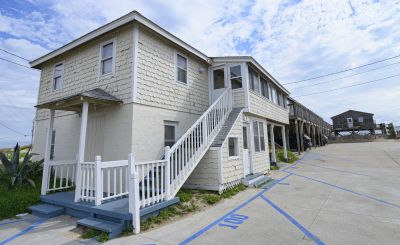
x=46 y=210
x=112 y=228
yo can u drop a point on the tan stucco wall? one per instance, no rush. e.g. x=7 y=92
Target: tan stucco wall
x=115 y=134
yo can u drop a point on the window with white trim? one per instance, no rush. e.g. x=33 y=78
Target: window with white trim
x=274 y=95
x=169 y=133
x=107 y=58
x=259 y=138
x=233 y=145
x=254 y=81
x=236 y=76
x=181 y=69
x=264 y=88
x=58 y=75
x=53 y=144
x=361 y=119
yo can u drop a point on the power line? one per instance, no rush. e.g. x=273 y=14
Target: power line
x=15 y=63
x=15 y=131
x=346 y=76
x=341 y=71
x=353 y=85
x=8 y=52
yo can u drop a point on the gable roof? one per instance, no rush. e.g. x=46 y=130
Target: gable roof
x=351 y=111
x=130 y=17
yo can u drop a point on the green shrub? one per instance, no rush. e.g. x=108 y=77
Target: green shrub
x=291 y=156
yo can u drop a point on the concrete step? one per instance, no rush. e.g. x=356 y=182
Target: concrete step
x=261 y=182
x=46 y=210
x=251 y=178
x=112 y=228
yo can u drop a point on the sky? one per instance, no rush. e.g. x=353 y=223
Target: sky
x=294 y=40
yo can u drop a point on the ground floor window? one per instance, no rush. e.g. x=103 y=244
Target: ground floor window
x=169 y=133
x=233 y=144
x=259 y=138
x=53 y=144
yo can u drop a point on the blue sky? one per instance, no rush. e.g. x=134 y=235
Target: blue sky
x=294 y=40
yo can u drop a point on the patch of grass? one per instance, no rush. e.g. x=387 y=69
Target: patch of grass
x=233 y=191
x=274 y=168
x=291 y=156
x=16 y=200
x=211 y=199
x=185 y=195
x=100 y=236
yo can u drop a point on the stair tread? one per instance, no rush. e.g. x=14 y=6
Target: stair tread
x=46 y=208
x=261 y=181
x=223 y=133
x=100 y=224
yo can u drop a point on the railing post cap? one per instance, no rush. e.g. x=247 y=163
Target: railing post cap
x=98 y=158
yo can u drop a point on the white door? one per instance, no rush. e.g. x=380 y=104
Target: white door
x=246 y=154
x=350 y=122
x=94 y=137
x=218 y=84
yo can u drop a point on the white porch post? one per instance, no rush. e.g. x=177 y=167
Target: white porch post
x=284 y=143
x=133 y=189
x=45 y=177
x=167 y=173
x=81 y=151
x=98 y=181
x=273 y=153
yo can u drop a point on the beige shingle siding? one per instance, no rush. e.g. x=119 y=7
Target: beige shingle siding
x=263 y=107
x=81 y=70
x=232 y=169
x=156 y=77
x=238 y=98
x=206 y=172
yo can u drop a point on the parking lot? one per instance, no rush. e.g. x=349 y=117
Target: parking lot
x=338 y=194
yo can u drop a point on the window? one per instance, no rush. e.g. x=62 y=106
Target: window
x=256 y=137
x=236 y=76
x=279 y=95
x=219 y=78
x=233 y=146
x=254 y=82
x=274 y=95
x=285 y=103
x=169 y=134
x=261 y=133
x=53 y=144
x=107 y=59
x=264 y=88
x=58 y=74
x=181 y=69
x=361 y=119
x=259 y=138
x=245 y=145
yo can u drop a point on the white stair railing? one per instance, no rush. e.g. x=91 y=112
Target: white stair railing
x=60 y=175
x=187 y=152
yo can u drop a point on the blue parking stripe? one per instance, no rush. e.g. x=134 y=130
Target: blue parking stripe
x=293 y=221
x=347 y=190
x=40 y=221
x=337 y=170
x=14 y=221
x=208 y=227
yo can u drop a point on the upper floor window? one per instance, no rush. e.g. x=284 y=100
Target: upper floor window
x=58 y=75
x=236 y=76
x=254 y=82
x=285 y=103
x=264 y=88
x=181 y=69
x=274 y=95
x=107 y=59
x=280 y=102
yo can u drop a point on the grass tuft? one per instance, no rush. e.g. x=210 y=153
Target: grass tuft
x=291 y=156
x=100 y=236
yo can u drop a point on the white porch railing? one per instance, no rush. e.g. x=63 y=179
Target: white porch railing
x=186 y=153
x=60 y=175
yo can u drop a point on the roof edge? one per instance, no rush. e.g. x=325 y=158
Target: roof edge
x=130 y=17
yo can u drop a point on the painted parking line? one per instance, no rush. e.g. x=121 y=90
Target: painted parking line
x=208 y=227
x=293 y=221
x=16 y=221
x=337 y=170
x=347 y=190
x=21 y=233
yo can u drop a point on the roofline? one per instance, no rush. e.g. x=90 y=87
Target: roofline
x=372 y=114
x=254 y=62
x=130 y=17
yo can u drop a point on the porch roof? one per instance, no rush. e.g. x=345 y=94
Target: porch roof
x=95 y=96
